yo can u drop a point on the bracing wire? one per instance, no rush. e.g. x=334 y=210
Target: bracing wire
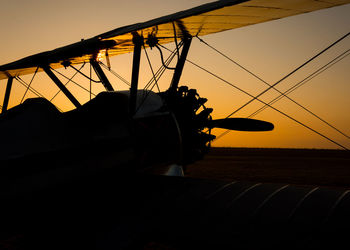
x=310 y=78
x=31 y=89
x=116 y=74
x=277 y=110
x=289 y=74
x=158 y=75
x=304 y=81
x=162 y=58
x=151 y=68
x=233 y=61
x=281 y=94
x=167 y=62
x=79 y=71
x=162 y=69
x=70 y=80
x=30 y=83
x=35 y=92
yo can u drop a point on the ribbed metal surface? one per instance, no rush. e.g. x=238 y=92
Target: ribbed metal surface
x=113 y=211
x=275 y=216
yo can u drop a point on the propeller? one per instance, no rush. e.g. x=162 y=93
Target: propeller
x=241 y=124
x=194 y=118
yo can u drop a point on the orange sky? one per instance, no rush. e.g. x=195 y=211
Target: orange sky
x=270 y=50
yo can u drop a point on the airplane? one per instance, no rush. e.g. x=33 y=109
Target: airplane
x=62 y=165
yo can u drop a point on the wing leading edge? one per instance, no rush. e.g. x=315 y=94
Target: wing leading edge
x=199 y=21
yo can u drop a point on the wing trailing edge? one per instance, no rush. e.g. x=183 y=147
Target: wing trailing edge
x=199 y=21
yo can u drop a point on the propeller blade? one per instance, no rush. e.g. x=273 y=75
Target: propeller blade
x=241 y=124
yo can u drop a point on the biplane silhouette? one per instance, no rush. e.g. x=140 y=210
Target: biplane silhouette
x=94 y=193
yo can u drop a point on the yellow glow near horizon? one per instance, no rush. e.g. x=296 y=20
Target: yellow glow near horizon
x=270 y=50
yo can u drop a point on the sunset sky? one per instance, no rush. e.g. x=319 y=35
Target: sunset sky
x=270 y=50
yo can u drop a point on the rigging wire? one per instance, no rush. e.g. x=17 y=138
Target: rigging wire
x=162 y=58
x=167 y=62
x=296 y=86
x=233 y=61
x=162 y=69
x=116 y=74
x=79 y=71
x=289 y=74
x=35 y=92
x=158 y=75
x=279 y=111
x=304 y=81
x=70 y=80
x=151 y=68
x=281 y=94
x=36 y=71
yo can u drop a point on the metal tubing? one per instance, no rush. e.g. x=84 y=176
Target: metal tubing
x=7 y=94
x=101 y=75
x=180 y=64
x=138 y=42
x=61 y=86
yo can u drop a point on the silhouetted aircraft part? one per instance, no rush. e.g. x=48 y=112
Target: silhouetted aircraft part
x=77 y=180
x=61 y=86
x=101 y=75
x=199 y=21
x=101 y=126
x=174 y=170
x=113 y=210
x=108 y=60
x=7 y=94
x=138 y=43
x=184 y=104
x=181 y=103
x=180 y=64
x=241 y=124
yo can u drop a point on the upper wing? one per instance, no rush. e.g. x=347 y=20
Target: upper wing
x=202 y=20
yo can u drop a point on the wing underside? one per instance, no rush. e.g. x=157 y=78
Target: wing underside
x=199 y=21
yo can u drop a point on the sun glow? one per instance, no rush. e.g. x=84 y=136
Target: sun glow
x=101 y=55
x=269 y=50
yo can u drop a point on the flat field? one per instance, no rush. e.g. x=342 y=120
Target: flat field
x=293 y=166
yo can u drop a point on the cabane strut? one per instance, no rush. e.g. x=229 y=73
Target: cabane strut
x=101 y=75
x=138 y=42
x=7 y=94
x=180 y=64
x=61 y=86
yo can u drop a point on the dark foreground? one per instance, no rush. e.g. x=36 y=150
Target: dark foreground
x=246 y=201
x=293 y=166
x=160 y=212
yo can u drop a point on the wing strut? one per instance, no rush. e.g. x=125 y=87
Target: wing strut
x=138 y=42
x=7 y=94
x=61 y=86
x=101 y=75
x=180 y=64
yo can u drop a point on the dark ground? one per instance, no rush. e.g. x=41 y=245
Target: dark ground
x=110 y=210
x=293 y=166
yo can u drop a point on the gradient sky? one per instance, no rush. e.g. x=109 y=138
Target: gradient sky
x=270 y=50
